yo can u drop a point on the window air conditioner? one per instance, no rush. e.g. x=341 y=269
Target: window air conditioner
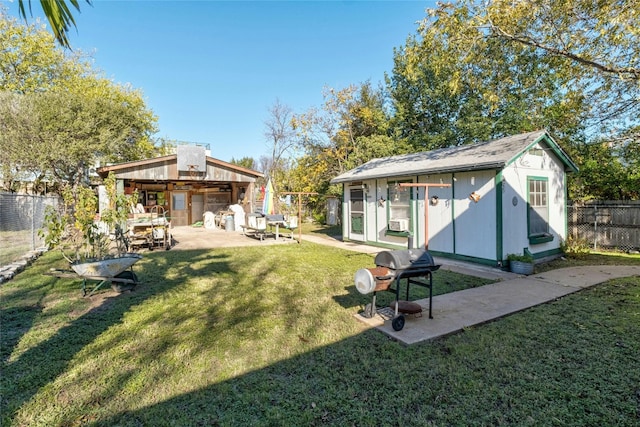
x=399 y=224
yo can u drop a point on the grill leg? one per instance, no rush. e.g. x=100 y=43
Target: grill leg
x=370 y=309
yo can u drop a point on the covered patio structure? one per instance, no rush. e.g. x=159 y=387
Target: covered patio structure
x=185 y=185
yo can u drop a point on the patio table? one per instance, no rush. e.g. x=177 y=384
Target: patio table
x=277 y=225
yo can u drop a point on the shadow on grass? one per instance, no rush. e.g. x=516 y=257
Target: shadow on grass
x=525 y=370
x=599 y=258
x=24 y=374
x=333 y=231
x=333 y=385
x=297 y=370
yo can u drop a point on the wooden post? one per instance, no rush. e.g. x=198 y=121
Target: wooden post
x=299 y=194
x=426 y=187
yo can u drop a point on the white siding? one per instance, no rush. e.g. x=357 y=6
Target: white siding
x=460 y=226
x=515 y=204
x=440 y=215
x=475 y=223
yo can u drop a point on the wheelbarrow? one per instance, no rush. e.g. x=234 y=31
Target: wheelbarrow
x=117 y=270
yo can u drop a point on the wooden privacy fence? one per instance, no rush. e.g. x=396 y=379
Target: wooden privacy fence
x=611 y=224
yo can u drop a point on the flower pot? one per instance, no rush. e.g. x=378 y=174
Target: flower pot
x=520 y=267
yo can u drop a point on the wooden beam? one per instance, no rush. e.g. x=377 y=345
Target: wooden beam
x=426 y=187
x=299 y=194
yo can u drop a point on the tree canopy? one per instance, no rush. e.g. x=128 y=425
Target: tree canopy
x=473 y=71
x=351 y=128
x=58 y=116
x=594 y=47
x=477 y=70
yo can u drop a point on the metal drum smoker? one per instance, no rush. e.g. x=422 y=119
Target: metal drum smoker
x=394 y=266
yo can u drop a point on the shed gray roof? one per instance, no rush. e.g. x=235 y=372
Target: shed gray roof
x=494 y=154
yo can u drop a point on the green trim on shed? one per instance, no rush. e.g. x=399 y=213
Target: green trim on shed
x=484 y=261
x=499 y=237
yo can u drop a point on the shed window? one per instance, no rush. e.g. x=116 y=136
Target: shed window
x=399 y=204
x=538 y=214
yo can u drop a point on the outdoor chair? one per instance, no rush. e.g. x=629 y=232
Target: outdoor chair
x=256 y=225
x=291 y=224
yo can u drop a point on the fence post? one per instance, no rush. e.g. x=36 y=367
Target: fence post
x=33 y=223
x=595 y=227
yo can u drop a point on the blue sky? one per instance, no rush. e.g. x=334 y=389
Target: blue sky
x=210 y=70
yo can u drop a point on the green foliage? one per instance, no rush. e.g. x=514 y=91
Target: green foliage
x=59 y=16
x=576 y=248
x=596 y=41
x=56 y=225
x=58 y=116
x=476 y=71
x=74 y=229
x=29 y=57
x=451 y=85
x=119 y=203
x=605 y=173
x=351 y=128
x=520 y=257
x=245 y=162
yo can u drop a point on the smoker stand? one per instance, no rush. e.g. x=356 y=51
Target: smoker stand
x=404 y=307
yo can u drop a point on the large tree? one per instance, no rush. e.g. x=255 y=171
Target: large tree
x=351 y=128
x=448 y=93
x=479 y=70
x=59 y=116
x=598 y=41
x=245 y=162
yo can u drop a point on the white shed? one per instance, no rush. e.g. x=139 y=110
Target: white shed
x=485 y=201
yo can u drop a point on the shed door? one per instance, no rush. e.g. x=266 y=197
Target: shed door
x=179 y=208
x=356 y=214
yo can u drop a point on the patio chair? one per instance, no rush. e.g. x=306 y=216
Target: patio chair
x=291 y=224
x=256 y=225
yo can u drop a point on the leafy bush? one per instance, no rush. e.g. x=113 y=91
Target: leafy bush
x=574 y=247
x=75 y=228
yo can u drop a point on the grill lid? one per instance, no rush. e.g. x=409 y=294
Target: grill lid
x=405 y=259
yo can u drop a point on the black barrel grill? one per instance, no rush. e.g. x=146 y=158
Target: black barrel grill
x=391 y=268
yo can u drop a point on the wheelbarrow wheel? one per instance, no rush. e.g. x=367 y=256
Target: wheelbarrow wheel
x=120 y=286
x=398 y=323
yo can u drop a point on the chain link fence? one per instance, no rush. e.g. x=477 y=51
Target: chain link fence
x=21 y=216
x=606 y=224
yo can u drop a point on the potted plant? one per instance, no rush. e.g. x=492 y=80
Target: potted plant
x=521 y=264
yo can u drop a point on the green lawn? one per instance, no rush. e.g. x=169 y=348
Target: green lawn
x=267 y=337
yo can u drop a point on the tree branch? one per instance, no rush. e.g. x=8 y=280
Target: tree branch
x=630 y=72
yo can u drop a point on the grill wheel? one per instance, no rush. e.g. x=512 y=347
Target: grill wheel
x=398 y=323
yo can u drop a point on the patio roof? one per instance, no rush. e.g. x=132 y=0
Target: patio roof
x=165 y=169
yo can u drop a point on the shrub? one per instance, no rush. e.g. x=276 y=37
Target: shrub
x=574 y=247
